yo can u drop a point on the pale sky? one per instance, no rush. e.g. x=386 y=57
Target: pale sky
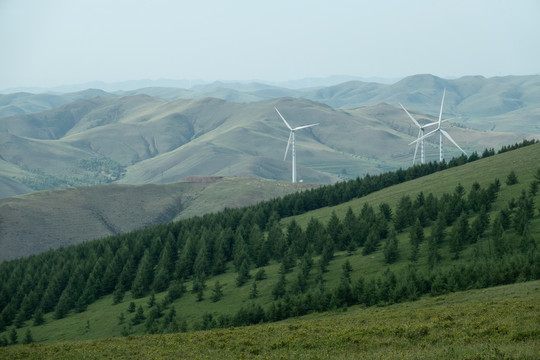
x=59 y=42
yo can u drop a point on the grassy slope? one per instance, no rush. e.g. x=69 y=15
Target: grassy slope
x=523 y=161
x=103 y=316
x=493 y=323
x=35 y=222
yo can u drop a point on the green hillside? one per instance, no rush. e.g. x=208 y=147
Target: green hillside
x=37 y=222
x=492 y=323
x=475 y=226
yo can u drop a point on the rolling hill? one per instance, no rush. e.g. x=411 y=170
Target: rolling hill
x=141 y=139
x=37 y=222
x=474 y=99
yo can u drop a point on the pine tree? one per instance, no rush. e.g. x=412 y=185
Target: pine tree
x=253 y=292
x=259 y=246
x=315 y=234
x=139 y=316
x=433 y=252
x=343 y=294
x=351 y=231
x=240 y=252
x=220 y=260
x=278 y=241
x=279 y=288
x=217 y=292
x=243 y=274
x=460 y=235
x=346 y=270
x=437 y=232
x=152 y=300
x=13 y=338
x=327 y=253
x=118 y=295
x=372 y=242
x=62 y=308
x=176 y=290
x=403 y=217
x=131 y=307
x=334 y=229
x=260 y=275
x=533 y=188
x=386 y=211
x=416 y=236
x=200 y=291
x=297 y=238
x=200 y=266
x=511 y=179
x=391 y=248
x=38 y=317
x=143 y=278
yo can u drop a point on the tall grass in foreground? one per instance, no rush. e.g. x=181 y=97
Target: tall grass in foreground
x=495 y=323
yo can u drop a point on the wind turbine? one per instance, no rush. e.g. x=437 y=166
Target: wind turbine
x=420 y=135
x=291 y=140
x=441 y=133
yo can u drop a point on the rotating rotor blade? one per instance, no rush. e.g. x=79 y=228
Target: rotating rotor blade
x=431 y=124
x=452 y=140
x=436 y=123
x=425 y=136
x=282 y=118
x=303 y=127
x=413 y=119
x=442 y=103
x=288 y=143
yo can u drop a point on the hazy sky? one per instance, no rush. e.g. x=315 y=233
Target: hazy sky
x=58 y=42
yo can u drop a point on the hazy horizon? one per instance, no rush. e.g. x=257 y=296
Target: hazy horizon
x=54 y=43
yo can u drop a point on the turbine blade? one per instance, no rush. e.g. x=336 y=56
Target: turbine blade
x=303 y=127
x=288 y=143
x=442 y=103
x=452 y=140
x=425 y=136
x=413 y=119
x=282 y=118
x=431 y=124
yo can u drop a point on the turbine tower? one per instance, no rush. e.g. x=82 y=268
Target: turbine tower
x=441 y=133
x=420 y=135
x=291 y=141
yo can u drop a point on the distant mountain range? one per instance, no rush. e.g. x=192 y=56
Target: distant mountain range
x=188 y=84
x=163 y=134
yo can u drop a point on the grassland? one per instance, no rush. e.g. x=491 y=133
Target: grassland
x=495 y=323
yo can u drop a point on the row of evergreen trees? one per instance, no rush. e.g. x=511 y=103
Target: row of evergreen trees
x=510 y=255
x=165 y=256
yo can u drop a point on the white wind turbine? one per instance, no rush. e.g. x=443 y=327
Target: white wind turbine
x=441 y=133
x=420 y=135
x=291 y=140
